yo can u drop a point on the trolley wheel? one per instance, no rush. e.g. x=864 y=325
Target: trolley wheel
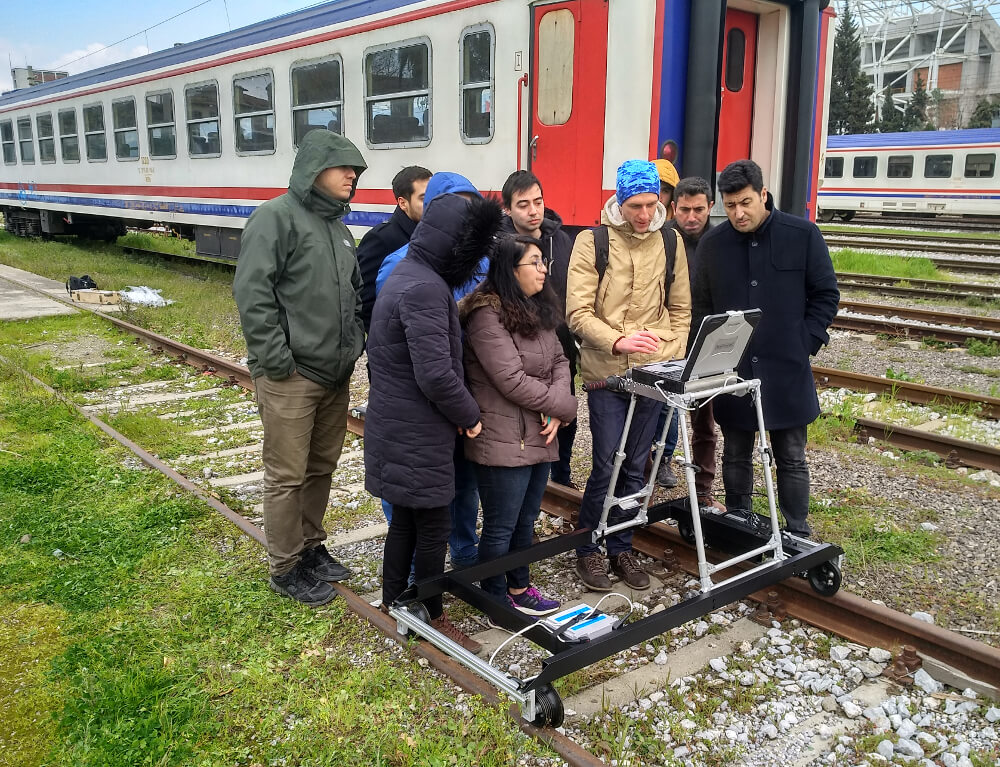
x=686 y=531
x=418 y=611
x=548 y=707
x=825 y=579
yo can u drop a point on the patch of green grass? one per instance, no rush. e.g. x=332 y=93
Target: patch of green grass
x=158 y=242
x=203 y=313
x=980 y=348
x=870 y=536
x=157 y=435
x=930 y=342
x=992 y=372
x=147 y=632
x=903 y=267
x=899 y=375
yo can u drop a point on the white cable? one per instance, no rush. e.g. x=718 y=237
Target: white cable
x=513 y=636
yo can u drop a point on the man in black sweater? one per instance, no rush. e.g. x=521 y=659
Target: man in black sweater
x=408 y=188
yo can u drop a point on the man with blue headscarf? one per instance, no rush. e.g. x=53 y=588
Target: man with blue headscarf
x=631 y=308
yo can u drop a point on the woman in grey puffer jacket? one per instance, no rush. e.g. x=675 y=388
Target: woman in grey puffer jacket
x=519 y=376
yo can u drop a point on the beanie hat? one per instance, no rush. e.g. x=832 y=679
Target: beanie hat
x=636 y=177
x=667 y=171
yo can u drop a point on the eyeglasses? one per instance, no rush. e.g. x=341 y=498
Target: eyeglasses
x=539 y=263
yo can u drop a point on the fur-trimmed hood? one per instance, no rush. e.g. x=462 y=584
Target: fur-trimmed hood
x=612 y=216
x=454 y=235
x=477 y=299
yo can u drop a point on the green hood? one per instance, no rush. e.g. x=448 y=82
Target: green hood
x=319 y=150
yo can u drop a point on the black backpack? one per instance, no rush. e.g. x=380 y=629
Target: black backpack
x=602 y=251
x=80 y=283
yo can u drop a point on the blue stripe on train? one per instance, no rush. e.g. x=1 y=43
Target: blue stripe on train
x=354 y=218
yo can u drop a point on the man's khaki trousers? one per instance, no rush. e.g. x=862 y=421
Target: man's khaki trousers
x=304 y=428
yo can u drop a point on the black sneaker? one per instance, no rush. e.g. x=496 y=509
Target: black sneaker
x=302 y=584
x=665 y=476
x=324 y=567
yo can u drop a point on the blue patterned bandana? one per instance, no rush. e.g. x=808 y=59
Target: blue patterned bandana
x=636 y=177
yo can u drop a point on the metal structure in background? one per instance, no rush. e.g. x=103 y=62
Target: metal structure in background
x=953 y=44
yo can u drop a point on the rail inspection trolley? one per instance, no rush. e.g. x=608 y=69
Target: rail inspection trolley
x=581 y=636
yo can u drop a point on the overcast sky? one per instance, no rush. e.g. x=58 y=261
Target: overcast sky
x=58 y=32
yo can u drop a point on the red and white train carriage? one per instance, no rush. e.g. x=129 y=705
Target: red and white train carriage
x=198 y=135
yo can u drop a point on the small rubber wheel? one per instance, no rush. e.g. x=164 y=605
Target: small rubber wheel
x=549 y=710
x=686 y=531
x=418 y=611
x=825 y=579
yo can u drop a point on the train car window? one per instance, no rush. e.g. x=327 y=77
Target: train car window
x=900 y=166
x=46 y=137
x=556 y=39
x=736 y=49
x=937 y=166
x=477 y=84
x=7 y=142
x=93 y=133
x=398 y=95
x=834 y=167
x=126 y=130
x=202 y=103
x=69 y=139
x=253 y=105
x=865 y=167
x=317 y=97
x=160 y=124
x=24 y=141
x=980 y=165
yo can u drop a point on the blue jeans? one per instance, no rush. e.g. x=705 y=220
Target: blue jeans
x=464 y=510
x=789 y=448
x=561 y=468
x=512 y=497
x=671 y=443
x=607 y=418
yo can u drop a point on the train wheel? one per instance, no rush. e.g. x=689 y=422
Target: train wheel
x=846 y=215
x=549 y=710
x=686 y=530
x=825 y=579
x=826 y=216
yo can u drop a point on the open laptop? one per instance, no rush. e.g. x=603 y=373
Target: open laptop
x=718 y=347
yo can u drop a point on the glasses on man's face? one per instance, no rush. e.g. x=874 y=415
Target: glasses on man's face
x=539 y=262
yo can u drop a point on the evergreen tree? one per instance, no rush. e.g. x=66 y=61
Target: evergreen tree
x=986 y=111
x=851 y=109
x=892 y=118
x=915 y=116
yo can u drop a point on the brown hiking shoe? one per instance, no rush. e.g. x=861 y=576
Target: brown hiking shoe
x=451 y=631
x=592 y=572
x=627 y=567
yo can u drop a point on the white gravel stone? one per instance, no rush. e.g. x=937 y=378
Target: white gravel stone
x=926 y=682
x=878 y=655
x=660 y=659
x=885 y=749
x=718 y=664
x=993 y=715
x=906 y=729
x=840 y=652
x=922 y=616
x=851 y=709
x=929 y=527
x=909 y=748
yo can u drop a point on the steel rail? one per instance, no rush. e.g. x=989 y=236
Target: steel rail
x=957 y=451
x=973 y=321
x=920 y=288
x=906 y=329
x=908 y=391
x=928 y=245
x=919 y=236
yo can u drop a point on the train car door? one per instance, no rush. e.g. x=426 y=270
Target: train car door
x=569 y=75
x=739 y=56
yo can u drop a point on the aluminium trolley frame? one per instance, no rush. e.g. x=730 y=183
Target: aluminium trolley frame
x=773 y=555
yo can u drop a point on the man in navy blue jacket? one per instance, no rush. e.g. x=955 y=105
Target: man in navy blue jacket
x=763 y=258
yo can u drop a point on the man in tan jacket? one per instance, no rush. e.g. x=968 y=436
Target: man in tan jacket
x=636 y=312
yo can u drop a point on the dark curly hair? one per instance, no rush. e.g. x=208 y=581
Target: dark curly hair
x=519 y=313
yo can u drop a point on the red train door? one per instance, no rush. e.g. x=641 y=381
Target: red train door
x=569 y=75
x=739 y=56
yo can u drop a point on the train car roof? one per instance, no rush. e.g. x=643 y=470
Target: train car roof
x=296 y=22
x=915 y=138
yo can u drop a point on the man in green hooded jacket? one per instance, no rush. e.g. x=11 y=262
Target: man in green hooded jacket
x=297 y=288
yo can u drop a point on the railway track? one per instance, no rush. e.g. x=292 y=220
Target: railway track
x=920 y=241
x=847 y=616
x=957 y=223
x=915 y=323
x=913 y=288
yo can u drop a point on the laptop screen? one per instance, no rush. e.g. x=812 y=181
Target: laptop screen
x=720 y=344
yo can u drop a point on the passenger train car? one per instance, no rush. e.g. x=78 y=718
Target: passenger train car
x=198 y=135
x=923 y=172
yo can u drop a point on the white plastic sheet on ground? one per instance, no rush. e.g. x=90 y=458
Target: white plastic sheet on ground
x=144 y=296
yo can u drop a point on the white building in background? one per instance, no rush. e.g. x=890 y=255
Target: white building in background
x=953 y=45
x=25 y=77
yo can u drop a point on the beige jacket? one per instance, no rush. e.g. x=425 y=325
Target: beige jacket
x=629 y=298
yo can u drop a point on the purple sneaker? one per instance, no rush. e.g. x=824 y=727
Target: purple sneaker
x=532 y=603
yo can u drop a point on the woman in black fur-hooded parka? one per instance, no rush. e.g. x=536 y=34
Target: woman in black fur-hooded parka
x=418 y=401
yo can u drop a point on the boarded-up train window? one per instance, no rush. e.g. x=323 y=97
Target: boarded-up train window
x=736 y=48
x=556 y=32
x=980 y=165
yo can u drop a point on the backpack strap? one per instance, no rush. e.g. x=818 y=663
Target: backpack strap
x=602 y=252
